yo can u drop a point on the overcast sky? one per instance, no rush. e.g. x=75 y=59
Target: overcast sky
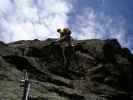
x=88 y=19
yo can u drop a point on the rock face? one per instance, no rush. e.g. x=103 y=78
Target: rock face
x=90 y=70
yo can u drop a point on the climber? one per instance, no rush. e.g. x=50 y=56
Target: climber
x=65 y=37
x=65 y=43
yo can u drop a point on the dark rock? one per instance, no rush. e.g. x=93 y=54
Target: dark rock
x=93 y=70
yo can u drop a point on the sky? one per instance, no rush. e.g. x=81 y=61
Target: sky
x=88 y=19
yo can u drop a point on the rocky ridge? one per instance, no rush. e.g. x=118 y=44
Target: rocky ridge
x=96 y=70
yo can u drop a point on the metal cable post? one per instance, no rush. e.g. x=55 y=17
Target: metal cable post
x=26 y=86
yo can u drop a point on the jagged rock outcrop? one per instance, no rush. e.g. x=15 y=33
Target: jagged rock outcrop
x=95 y=70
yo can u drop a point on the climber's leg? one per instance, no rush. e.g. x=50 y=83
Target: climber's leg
x=64 y=55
